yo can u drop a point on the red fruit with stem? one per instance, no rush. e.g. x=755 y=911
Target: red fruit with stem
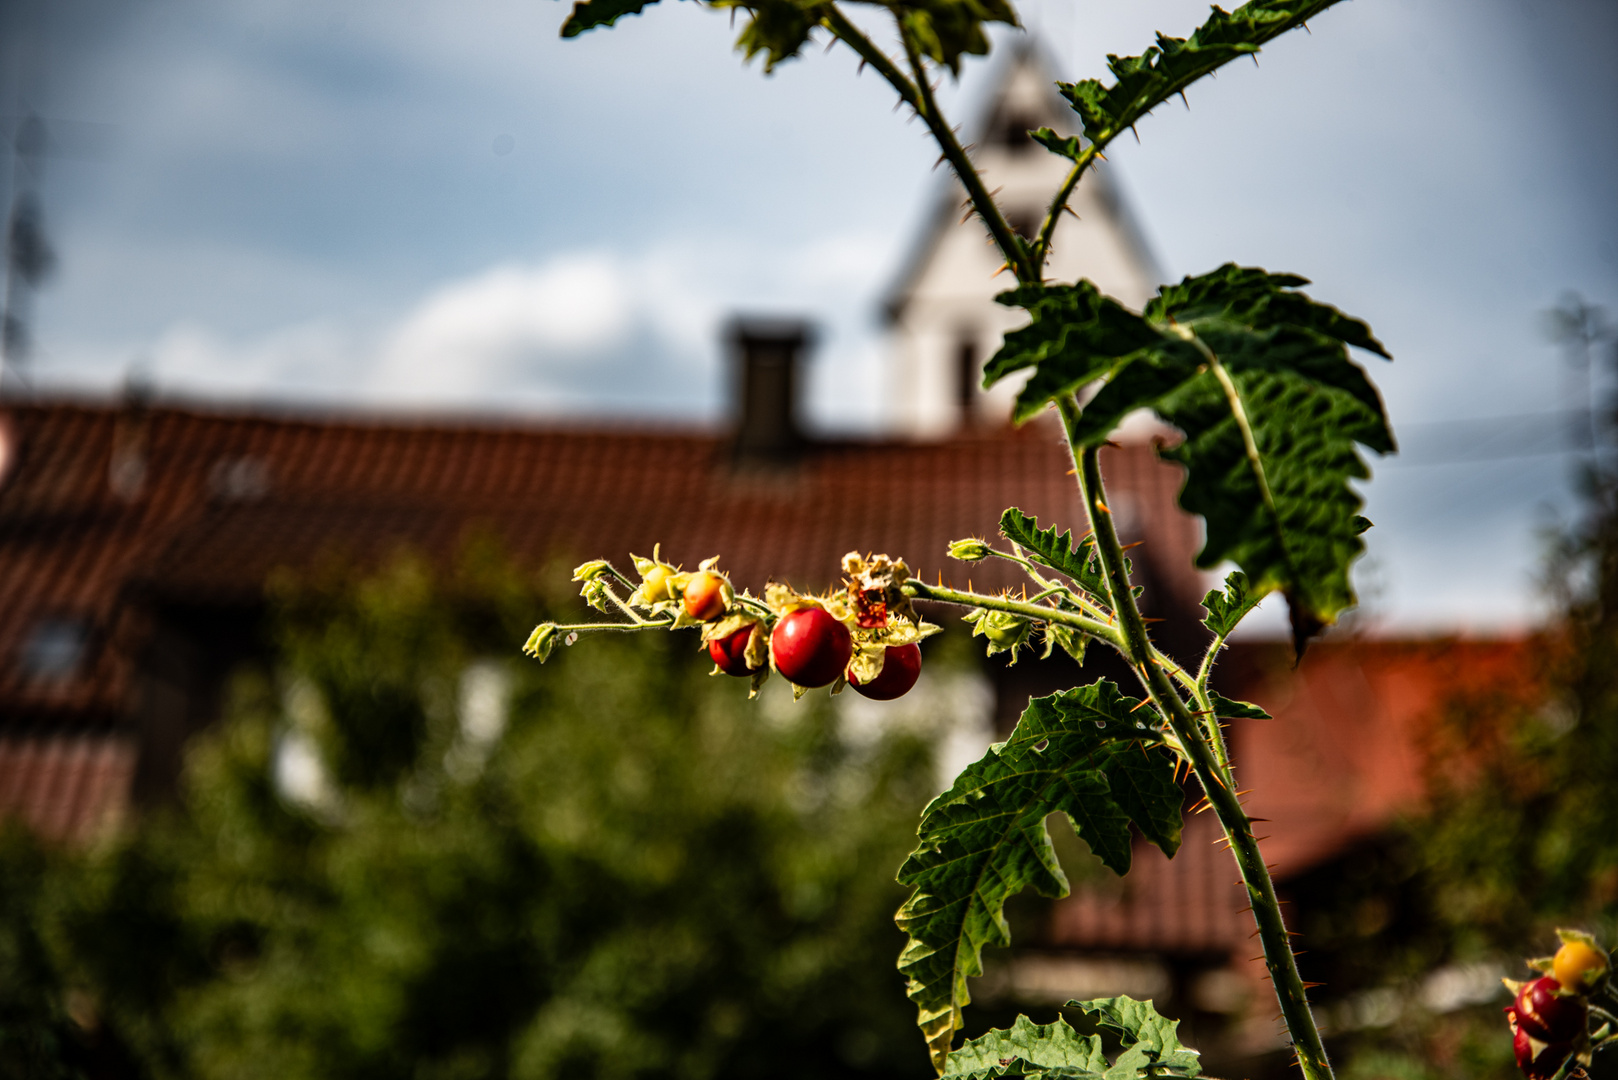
x=810 y=647
x=1549 y=1014
x=730 y=652
x=901 y=667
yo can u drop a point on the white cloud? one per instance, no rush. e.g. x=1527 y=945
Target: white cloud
x=469 y=336
x=590 y=331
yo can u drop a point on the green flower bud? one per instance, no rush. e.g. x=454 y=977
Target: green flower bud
x=542 y=641
x=591 y=570
x=969 y=550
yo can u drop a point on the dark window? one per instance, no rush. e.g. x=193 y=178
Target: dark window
x=1013 y=132
x=968 y=372
x=54 y=649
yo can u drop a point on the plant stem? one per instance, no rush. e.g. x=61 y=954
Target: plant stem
x=620 y=627
x=1094 y=627
x=1238 y=827
x=1047 y=229
x=838 y=23
x=1018 y=258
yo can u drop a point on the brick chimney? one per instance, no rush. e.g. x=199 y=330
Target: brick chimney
x=765 y=355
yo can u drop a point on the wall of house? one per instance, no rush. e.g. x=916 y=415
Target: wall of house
x=946 y=322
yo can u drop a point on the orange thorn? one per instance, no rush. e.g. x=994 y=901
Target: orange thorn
x=1136 y=544
x=1103 y=507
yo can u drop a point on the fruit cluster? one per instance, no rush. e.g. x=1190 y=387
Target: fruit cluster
x=865 y=635
x=1550 y=1016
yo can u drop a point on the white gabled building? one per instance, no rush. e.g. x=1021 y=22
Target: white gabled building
x=942 y=314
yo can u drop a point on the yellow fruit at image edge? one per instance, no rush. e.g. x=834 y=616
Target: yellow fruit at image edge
x=1578 y=967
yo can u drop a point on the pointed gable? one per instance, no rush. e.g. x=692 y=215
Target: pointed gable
x=944 y=320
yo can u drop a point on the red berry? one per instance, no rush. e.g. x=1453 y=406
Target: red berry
x=705 y=596
x=810 y=647
x=1546 y=1014
x=1536 y=1066
x=730 y=651
x=901 y=667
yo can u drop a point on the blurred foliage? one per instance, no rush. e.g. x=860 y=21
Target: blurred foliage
x=408 y=853
x=1520 y=836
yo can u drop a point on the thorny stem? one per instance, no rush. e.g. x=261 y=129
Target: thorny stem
x=1047 y=229
x=918 y=93
x=1238 y=827
x=1107 y=632
x=587 y=628
x=1079 y=599
x=838 y=23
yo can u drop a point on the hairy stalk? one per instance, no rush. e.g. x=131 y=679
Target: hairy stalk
x=1010 y=244
x=1238 y=827
x=1047 y=228
x=1107 y=632
x=1216 y=735
x=618 y=627
x=839 y=25
x=918 y=94
x=1079 y=599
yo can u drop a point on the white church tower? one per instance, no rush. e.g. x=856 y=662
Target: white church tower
x=942 y=313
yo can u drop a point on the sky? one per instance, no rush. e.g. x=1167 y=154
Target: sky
x=424 y=205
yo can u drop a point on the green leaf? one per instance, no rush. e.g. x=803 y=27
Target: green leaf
x=1149 y=1042
x=1229 y=709
x=1258 y=377
x=1144 y=82
x=1077 y=336
x=777 y=28
x=1228 y=608
x=1057 y=551
x=945 y=30
x=1147 y=1034
x=1027 y=1049
x=589 y=14
x=1086 y=753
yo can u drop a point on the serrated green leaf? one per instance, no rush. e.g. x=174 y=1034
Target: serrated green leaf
x=1027 y=1049
x=1148 y=1036
x=1077 y=336
x=985 y=839
x=1057 y=551
x=1229 y=709
x=589 y=14
x=1259 y=379
x=1228 y=608
x=1144 y=82
x=777 y=28
x=1068 y=146
x=945 y=30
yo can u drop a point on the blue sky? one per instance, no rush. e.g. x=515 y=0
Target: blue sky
x=322 y=201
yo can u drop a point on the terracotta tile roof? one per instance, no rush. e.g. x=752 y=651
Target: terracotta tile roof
x=106 y=511
x=1190 y=904
x=66 y=788
x=105 y=507
x=1342 y=757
